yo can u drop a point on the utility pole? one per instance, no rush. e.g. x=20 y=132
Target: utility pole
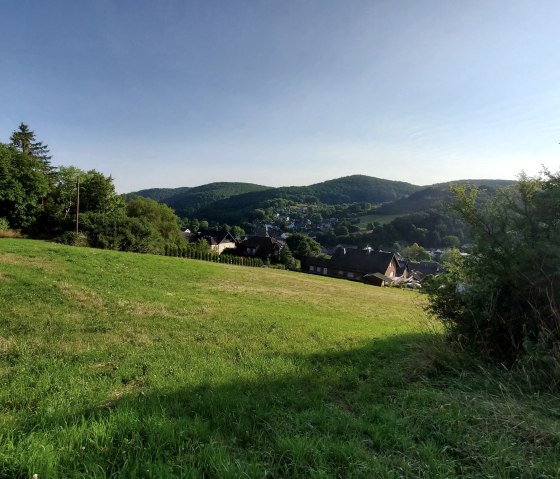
x=77 y=202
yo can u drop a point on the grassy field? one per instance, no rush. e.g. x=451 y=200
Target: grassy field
x=124 y=365
x=376 y=217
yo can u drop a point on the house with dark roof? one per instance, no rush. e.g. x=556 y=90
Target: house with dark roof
x=367 y=265
x=217 y=241
x=263 y=247
x=424 y=269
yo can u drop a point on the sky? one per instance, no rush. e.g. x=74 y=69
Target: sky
x=177 y=93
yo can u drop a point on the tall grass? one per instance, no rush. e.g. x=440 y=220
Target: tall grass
x=125 y=365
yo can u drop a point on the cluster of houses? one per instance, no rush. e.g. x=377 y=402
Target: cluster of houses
x=264 y=247
x=367 y=265
x=379 y=268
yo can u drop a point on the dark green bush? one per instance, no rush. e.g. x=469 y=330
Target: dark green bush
x=503 y=301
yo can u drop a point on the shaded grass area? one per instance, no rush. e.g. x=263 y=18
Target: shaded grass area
x=123 y=365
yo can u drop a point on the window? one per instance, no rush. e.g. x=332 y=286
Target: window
x=350 y=274
x=324 y=270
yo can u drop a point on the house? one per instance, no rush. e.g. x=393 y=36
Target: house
x=263 y=247
x=403 y=271
x=424 y=269
x=367 y=265
x=217 y=241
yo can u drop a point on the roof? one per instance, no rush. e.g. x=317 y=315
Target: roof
x=212 y=237
x=425 y=268
x=363 y=261
x=264 y=246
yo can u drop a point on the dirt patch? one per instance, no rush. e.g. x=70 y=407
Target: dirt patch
x=88 y=297
x=5 y=345
x=147 y=309
x=17 y=260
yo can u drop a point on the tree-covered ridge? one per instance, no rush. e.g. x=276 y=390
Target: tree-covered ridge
x=186 y=201
x=360 y=188
x=160 y=194
x=435 y=197
x=235 y=202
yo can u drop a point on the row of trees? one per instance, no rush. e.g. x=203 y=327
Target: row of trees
x=44 y=201
x=82 y=207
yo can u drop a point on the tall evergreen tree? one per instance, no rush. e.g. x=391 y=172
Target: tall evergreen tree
x=24 y=140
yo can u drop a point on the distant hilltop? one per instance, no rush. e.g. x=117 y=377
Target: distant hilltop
x=232 y=202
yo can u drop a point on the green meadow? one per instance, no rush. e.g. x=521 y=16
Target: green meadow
x=125 y=365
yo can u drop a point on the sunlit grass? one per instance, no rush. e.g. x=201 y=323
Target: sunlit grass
x=125 y=365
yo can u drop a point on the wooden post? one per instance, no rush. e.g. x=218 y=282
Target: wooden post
x=77 y=202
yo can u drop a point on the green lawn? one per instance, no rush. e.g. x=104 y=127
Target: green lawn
x=124 y=365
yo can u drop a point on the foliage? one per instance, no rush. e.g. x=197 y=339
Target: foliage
x=415 y=253
x=24 y=140
x=302 y=245
x=4 y=224
x=288 y=259
x=22 y=186
x=121 y=232
x=72 y=238
x=504 y=301
x=159 y=215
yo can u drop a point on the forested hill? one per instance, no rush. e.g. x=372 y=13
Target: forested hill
x=435 y=196
x=187 y=201
x=230 y=201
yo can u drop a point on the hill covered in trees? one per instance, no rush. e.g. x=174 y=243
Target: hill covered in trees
x=236 y=202
x=436 y=196
x=187 y=201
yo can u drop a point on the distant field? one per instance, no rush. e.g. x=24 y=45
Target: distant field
x=372 y=218
x=124 y=365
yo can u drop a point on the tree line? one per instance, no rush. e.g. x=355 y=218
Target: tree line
x=76 y=206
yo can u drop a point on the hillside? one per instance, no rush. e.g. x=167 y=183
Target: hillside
x=233 y=202
x=187 y=201
x=434 y=197
x=125 y=365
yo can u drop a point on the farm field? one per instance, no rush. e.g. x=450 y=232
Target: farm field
x=124 y=365
x=377 y=217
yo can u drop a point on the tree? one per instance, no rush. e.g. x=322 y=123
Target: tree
x=22 y=185
x=415 y=252
x=301 y=246
x=23 y=139
x=341 y=230
x=287 y=258
x=161 y=216
x=503 y=302
x=97 y=193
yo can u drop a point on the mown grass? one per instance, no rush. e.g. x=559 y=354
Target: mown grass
x=125 y=365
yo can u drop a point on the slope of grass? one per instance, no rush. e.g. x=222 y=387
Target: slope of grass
x=124 y=365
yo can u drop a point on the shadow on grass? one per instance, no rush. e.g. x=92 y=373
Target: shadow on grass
x=335 y=417
x=364 y=412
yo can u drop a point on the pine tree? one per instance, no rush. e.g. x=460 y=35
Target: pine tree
x=24 y=140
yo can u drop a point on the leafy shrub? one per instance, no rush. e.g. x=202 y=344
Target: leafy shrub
x=503 y=302
x=73 y=239
x=4 y=224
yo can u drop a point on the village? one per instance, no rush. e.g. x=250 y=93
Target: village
x=375 y=267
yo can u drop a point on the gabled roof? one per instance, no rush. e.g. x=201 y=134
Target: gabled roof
x=425 y=268
x=263 y=246
x=212 y=237
x=363 y=261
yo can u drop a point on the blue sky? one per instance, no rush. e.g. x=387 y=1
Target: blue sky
x=182 y=93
